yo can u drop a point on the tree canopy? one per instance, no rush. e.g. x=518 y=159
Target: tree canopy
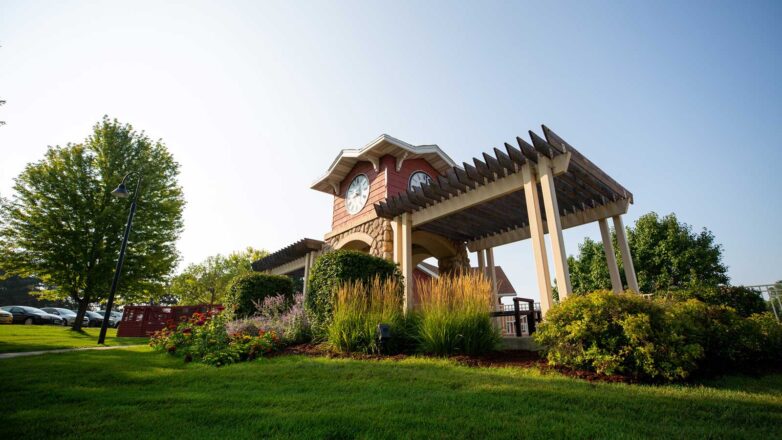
x=667 y=254
x=209 y=281
x=63 y=226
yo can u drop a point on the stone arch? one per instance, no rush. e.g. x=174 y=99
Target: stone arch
x=358 y=241
x=450 y=257
x=432 y=244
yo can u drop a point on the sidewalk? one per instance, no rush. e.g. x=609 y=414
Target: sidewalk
x=62 y=350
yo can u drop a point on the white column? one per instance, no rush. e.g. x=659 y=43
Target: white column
x=538 y=242
x=495 y=303
x=608 y=248
x=396 y=228
x=407 y=259
x=492 y=275
x=481 y=262
x=627 y=259
x=564 y=287
x=307 y=262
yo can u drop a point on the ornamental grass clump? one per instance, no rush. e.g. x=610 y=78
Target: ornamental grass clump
x=358 y=309
x=453 y=315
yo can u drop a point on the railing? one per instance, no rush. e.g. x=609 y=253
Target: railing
x=519 y=318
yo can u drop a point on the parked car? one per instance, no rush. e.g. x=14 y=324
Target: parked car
x=6 y=317
x=114 y=319
x=68 y=316
x=96 y=319
x=31 y=315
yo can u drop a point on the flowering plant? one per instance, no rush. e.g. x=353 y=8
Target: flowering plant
x=277 y=315
x=203 y=337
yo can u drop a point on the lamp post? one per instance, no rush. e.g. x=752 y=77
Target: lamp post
x=122 y=193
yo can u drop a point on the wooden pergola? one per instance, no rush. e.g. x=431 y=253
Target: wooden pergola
x=539 y=187
x=293 y=260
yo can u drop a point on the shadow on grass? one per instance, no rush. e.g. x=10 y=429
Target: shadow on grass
x=134 y=390
x=17 y=338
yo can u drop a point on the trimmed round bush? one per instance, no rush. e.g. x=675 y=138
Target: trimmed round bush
x=336 y=268
x=254 y=287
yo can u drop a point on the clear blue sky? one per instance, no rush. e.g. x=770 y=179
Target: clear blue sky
x=680 y=101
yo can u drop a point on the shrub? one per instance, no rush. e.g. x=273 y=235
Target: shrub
x=254 y=287
x=336 y=268
x=358 y=309
x=617 y=334
x=730 y=341
x=767 y=341
x=661 y=340
x=204 y=338
x=744 y=300
x=454 y=315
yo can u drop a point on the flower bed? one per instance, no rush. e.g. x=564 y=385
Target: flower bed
x=204 y=338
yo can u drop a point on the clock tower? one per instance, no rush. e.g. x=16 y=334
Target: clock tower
x=360 y=178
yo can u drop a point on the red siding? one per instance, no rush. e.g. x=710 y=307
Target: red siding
x=377 y=192
x=379 y=187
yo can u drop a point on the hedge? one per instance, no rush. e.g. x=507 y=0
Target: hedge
x=744 y=300
x=253 y=287
x=656 y=340
x=335 y=268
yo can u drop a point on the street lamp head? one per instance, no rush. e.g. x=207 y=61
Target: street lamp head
x=121 y=191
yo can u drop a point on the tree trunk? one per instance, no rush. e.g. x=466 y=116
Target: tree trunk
x=83 y=303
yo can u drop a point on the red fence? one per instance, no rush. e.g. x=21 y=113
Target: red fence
x=140 y=321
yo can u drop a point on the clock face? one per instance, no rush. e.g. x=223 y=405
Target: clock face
x=357 y=194
x=419 y=178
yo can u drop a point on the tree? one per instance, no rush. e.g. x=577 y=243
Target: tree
x=63 y=226
x=209 y=282
x=667 y=254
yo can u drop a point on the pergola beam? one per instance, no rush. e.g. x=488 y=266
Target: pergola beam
x=568 y=221
x=289 y=267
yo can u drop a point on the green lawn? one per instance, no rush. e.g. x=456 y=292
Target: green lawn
x=135 y=393
x=16 y=338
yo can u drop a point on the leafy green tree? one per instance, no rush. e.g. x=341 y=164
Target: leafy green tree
x=667 y=254
x=209 y=282
x=63 y=226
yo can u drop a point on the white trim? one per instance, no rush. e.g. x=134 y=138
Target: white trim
x=401 y=160
x=426 y=270
x=364 y=154
x=345 y=196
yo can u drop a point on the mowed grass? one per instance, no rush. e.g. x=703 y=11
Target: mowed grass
x=134 y=393
x=17 y=338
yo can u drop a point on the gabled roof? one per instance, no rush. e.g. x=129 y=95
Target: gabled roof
x=372 y=152
x=504 y=287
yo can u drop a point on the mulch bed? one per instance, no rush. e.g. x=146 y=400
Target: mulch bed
x=495 y=359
